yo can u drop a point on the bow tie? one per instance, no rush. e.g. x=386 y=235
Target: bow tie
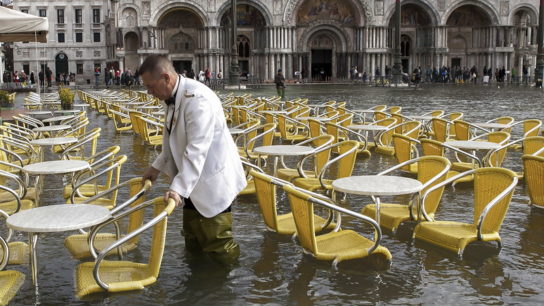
x=170 y=100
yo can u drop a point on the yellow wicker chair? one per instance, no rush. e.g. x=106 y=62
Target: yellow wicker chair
x=432 y=170
x=532 y=144
x=406 y=149
x=440 y=129
x=264 y=133
x=493 y=190
x=121 y=121
x=531 y=127
x=87 y=184
x=534 y=177
x=297 y=132
x=385 y=143
x=78 y=245
x=380 y=138
x=345 y=163
x=10 y=281
x=284 y=224
x=117 y=276
x=320 y=156
x=334 y=246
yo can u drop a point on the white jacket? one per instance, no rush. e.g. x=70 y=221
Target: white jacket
x=200 y=154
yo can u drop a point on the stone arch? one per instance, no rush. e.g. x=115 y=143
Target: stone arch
x=131 y=42
x=424 y=5
x=157 y=15
x=361 y=9
x=339 y=36
x=129 y=17
x=532 y=12
x=485 y=8
x=265 y=12
x=181 y=43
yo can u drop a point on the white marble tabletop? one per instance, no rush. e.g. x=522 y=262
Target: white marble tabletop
x=368 y=127
x=38 y=113
x=58 y=218
x=315 y=118
x=491 y=125
x=284 y=150
x=67 y=111
x=367 y=111
x=56 y=167
x=159 y=113
x=51 y=128
x=53 y=141
x=58 y=118
x=317 y=105
x=377 y=185
x=274 y=112
x=473 y=144
x=81 y=105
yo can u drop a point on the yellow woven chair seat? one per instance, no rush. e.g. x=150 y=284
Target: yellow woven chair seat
x=391 y=215
x=250 y=188
x=119 y=275
x=462 y=166
x=10 y=282
x=30 y=195
x=18 y=253
x=79 y=248
x=312 y=183
x=344 y=245
x=385 y=150
x=451 y=235
x=155 y=140
x=286 y=224
x=11 y=206
x=288 y=174
x=87 y=190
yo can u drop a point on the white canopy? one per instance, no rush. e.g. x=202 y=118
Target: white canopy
x=18 y=26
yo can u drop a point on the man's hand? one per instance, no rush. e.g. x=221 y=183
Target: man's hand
x=150 y=174
x=170 y=194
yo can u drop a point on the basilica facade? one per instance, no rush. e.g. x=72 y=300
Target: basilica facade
x=325 y=38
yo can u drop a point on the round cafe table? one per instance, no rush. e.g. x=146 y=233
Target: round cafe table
x=58 y=118
x=376 y=186
x=281 y=151
x=492 y=125
x=55 y=141
x=52 y=128
x=54 y=218
x=56 y=167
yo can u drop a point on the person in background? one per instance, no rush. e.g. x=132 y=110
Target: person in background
x=200 y=157
x=279 y=79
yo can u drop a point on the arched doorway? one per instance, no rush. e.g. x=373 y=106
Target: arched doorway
x=322 y=48
x=181 y=31
x=470 y=28
x=131 y=43
x=523 y=37
x=251 y=38
x=416 y=36
x=61 y=63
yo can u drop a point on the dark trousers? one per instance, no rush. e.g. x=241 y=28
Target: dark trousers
x=212 y=236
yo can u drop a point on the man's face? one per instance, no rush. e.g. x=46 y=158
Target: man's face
x=157 y=86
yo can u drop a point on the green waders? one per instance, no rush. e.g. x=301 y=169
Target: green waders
x=213 y=236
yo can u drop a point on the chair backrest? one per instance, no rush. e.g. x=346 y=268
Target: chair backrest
x=428 y=168
x=497 y=157
x=379 y=108
x=264 y=132
x=440 y=129
x=378 y=115
x=405 y=149
x=265 y=185
x=303 y=214
x=488 y=183
x=322 y=156
x=347 y=162
x=409 y=128
x=432 y=147
x=531 y=127
x=400 y=120
x=345 y=120
x=454 y=116
x=395 y=109
x=436 y=113
x=315 y=127
x=532 y=144
x=462 y=130
x=534 y=178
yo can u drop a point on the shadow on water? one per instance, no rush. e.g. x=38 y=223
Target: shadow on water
x=273 y=270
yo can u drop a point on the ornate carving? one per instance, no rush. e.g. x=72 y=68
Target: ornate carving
x=505 y=8
x=441 y=4
x=292 y=4
x=146 y=8
x=129 y=17
x=378 y=8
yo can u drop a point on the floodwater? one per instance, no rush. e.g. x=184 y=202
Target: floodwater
x=273 y=269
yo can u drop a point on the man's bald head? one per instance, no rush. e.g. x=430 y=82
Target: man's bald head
x=158 y=76
x=156 y=65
